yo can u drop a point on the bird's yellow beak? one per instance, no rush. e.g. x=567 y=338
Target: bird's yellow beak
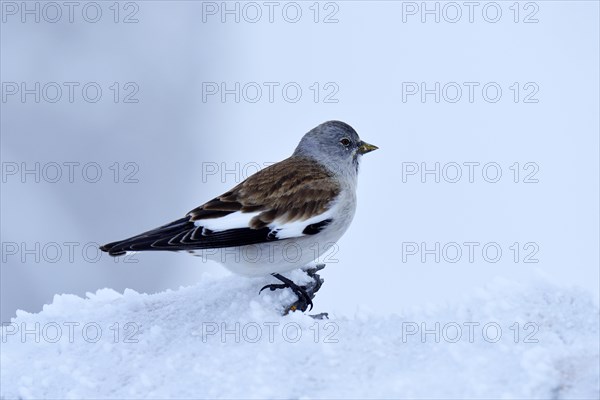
x=365 y=148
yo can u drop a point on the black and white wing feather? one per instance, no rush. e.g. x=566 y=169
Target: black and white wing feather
x=287 y=200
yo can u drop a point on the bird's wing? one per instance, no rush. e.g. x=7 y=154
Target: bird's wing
x=286 y=200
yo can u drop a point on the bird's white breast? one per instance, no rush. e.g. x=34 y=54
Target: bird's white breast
x=294 y=252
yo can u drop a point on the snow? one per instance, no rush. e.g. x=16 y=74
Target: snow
x=175 y=344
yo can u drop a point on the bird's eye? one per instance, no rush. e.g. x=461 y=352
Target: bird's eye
x=345 y=142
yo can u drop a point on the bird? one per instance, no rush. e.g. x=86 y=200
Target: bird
x=279 y=219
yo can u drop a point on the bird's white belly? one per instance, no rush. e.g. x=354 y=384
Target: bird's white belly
x=288 y=254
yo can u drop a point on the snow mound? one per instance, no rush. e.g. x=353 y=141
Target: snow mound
x=220 y=339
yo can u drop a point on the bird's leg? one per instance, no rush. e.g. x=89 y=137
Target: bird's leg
x=304 y=300
x=305 y=293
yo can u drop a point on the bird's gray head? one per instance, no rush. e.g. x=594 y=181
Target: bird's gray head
x=335 y=144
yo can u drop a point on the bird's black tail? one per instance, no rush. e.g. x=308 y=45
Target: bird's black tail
x=161 y=238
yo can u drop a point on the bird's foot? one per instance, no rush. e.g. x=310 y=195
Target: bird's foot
x=305 y=293
x=274 y=286
x=304 y=300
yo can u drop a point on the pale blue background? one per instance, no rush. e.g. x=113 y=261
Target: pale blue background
x=368 y=53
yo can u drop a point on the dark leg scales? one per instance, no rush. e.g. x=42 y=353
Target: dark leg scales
x=305 y=293
x=303 y=297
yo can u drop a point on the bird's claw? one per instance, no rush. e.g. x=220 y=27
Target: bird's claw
x=273 y=286
x=304 y=301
